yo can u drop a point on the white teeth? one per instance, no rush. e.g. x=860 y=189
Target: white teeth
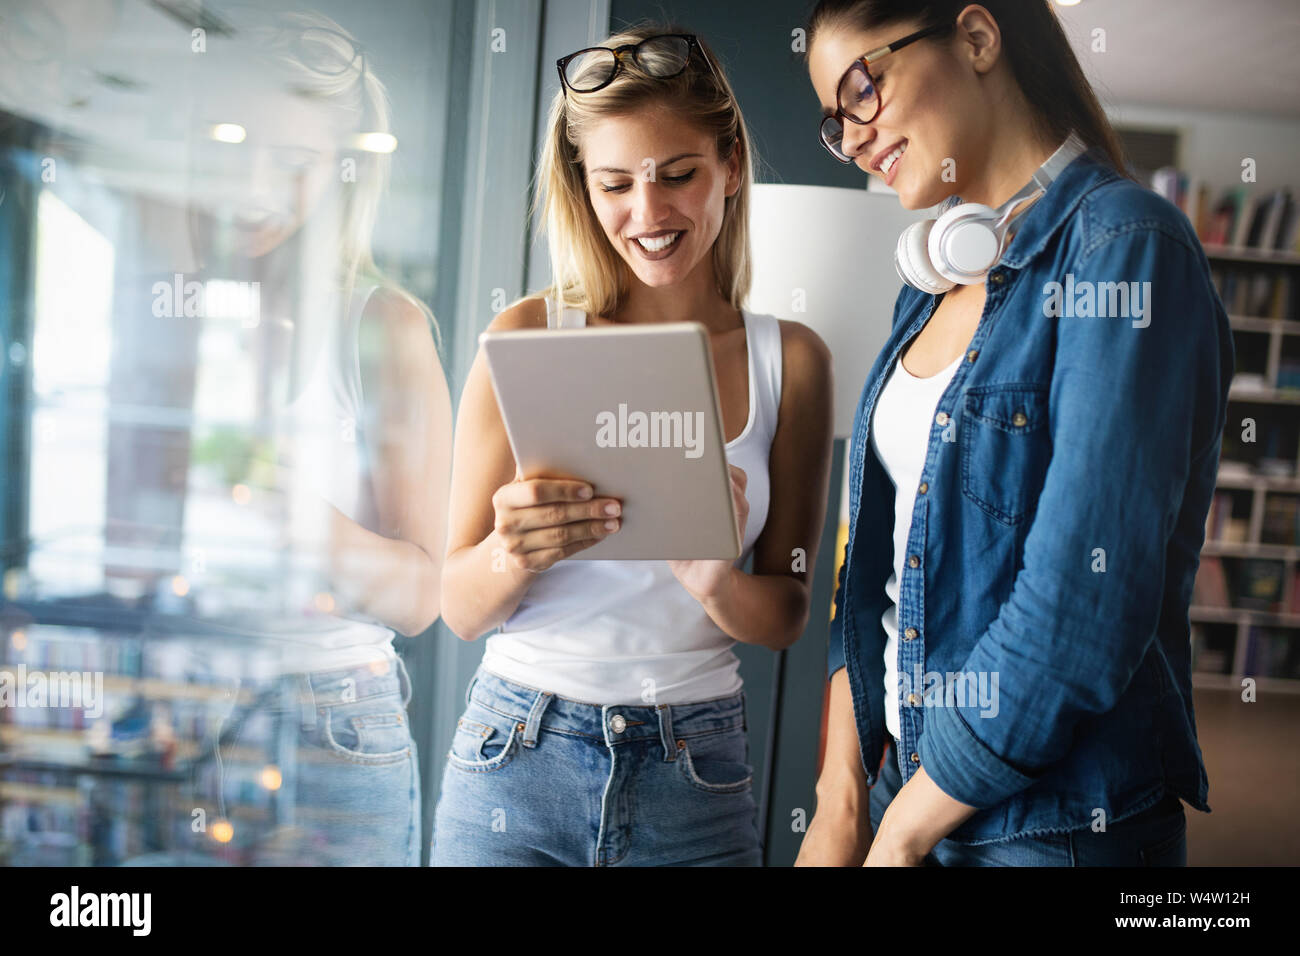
x=659 y=243
x=888 y=163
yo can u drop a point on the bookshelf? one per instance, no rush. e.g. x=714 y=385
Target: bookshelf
x=1245 y=610
x=1245 y=613
x=121 y=780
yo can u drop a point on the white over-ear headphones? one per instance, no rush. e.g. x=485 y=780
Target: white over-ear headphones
x=966 y=241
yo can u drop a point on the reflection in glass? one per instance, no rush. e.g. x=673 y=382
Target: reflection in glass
x=227 y=452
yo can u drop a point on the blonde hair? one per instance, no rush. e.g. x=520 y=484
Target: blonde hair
x=586 y=270
x=324 y=62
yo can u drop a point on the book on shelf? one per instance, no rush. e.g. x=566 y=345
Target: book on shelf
x=1281 y=520
x=1243 y=216
x=1256 y=291
x=1271 y=652
x=1211 y=655
x=1211 y=586
x=1288 y=374
x=1220 y=525
x=1257 y=584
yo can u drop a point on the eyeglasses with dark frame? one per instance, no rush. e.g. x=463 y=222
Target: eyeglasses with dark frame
x=662 y=57
x=858 y=87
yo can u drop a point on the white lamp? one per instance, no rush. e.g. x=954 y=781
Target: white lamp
x=824 y=256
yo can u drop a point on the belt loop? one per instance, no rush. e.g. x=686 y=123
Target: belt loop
x=404 y=676
x=535 y=718
x=666 y=732
x=472 y=681
x=307 y=700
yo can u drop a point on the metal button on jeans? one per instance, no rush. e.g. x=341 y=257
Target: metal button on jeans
x=618 y=724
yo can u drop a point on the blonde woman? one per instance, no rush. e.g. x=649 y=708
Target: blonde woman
x=606 y=725
x=364 y=434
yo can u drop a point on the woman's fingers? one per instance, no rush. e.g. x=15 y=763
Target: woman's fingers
x=527 y=492
x=563 y=535
x=543 y=503
x=544 y=520
x=538 y=550
x=559 y=515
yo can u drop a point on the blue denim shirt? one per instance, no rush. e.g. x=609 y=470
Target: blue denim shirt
x=1042 y=618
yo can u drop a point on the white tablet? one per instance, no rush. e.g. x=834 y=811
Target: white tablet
x=634 y=411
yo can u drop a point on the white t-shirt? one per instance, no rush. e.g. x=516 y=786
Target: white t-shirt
x=900 y=434
x=627 y=632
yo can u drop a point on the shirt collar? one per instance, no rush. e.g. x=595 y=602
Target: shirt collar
x=1046 y=216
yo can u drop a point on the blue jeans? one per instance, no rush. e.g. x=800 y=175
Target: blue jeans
x=1156 y=836
x=350 y=791
x=533 y=779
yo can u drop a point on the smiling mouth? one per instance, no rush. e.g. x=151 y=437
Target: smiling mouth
x=658 y=243
x=658 y=246
x=887 y=162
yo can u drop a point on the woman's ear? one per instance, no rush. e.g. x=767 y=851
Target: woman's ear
x=732 y=165
x=982 y=38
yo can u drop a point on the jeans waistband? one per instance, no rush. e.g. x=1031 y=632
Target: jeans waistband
x=535 y=709
x=348 y=685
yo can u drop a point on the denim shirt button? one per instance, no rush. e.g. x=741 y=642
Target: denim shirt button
x=911 y=700
x=972 y=355
x=996 y=278
x=909 y=634
x=925 y=486
x=916 y=758
x=1019 y=419
x=941 y=418
x=913 y=561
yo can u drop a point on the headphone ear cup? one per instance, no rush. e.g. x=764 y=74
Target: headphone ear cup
x=963 y=245
x=912 y=260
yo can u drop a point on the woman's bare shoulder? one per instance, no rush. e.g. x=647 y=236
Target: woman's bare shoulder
x=527 y=313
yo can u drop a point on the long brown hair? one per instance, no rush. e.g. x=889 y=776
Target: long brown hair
x=1042 y=62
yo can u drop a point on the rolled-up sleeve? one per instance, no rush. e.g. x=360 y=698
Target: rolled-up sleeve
x=1134 y=401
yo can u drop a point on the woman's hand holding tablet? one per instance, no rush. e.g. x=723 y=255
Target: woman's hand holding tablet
x=544 y=520
x=633 y=411
x=702 y=577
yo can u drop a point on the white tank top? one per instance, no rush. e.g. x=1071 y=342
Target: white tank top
x=323 y=452
x=627 y=632
x=900 y=433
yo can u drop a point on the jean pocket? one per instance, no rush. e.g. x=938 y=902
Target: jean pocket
x=1006 y=448
x=716 y=762
x=370 y=732
x=483 y=742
